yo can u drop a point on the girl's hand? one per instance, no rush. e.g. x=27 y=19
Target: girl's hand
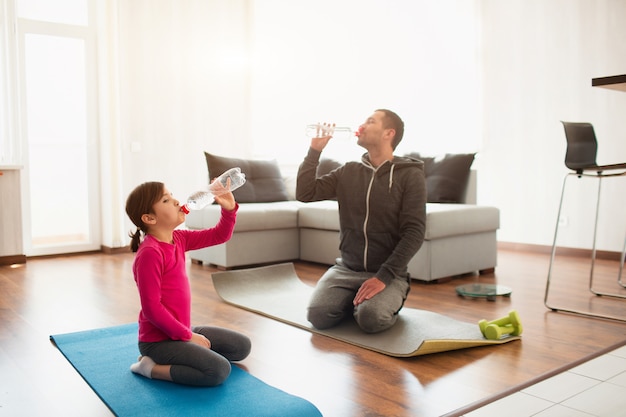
x=200 y=340
x=222 y=196
x=227 y=201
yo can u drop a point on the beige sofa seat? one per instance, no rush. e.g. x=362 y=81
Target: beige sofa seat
x=319 y=232
x=264 y=233
x=459 y=238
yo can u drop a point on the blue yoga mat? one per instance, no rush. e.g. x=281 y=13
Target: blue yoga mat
x=103 y=357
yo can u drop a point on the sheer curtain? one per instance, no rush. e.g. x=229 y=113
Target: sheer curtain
x=10 y=152
x=184 y=88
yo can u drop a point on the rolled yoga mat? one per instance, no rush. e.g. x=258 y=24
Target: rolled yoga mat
x=276 y=291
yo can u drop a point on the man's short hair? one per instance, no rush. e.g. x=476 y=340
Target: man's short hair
x=393 y=121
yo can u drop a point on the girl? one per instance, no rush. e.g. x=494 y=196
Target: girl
x=171 y=349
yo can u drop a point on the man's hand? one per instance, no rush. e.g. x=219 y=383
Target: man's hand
x=368 y=289
x=320 y=143
x=322 y=136
x=199 y=339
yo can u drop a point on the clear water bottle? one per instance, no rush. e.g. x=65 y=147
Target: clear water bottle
x=203 y=198
x=327 y=129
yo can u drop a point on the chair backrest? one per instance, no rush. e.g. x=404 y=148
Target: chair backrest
x=582 y=145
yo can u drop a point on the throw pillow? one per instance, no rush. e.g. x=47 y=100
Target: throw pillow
x=325 y=166
x=446 y=178
x=264 y=182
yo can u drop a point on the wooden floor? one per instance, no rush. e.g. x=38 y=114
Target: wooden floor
x=66 y=294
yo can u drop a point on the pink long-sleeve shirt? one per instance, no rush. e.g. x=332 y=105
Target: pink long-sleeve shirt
x=161 y=276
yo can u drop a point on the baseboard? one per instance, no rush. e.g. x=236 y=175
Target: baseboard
x=12 y=259
x=511 y=246
x=576 y=252
x=103 y=249
x=114 y=251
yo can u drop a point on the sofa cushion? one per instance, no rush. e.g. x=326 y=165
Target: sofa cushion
x=264 y=182
x=447 y=177
x=459 y=219
x=325 y=166
x=259 y=216
x=441 y=219
x=319 y=215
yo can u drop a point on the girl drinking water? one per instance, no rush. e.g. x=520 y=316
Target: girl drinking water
x=171 y=349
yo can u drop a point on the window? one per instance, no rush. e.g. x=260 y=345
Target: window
x=56 y=64
x=71 y=12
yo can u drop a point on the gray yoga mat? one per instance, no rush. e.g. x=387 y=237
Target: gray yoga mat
x=276 y=291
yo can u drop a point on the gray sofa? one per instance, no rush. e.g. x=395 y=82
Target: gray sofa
x=459 y=238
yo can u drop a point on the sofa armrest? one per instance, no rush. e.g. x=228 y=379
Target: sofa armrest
x=470 y=190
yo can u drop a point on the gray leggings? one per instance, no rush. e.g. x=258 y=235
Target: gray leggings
x=332 y=299
x=196 y=365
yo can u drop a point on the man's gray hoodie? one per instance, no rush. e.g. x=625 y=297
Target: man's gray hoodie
x=382 y=211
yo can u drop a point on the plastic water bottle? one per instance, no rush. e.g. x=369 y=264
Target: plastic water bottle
x=326 y=129
x=203 y=198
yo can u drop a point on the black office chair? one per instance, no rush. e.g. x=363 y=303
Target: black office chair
x=582 y=147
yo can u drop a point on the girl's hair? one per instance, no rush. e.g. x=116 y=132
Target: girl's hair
x=138 y=203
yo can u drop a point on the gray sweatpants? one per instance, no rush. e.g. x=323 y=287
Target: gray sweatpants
x=196 y=365
x=333 y=298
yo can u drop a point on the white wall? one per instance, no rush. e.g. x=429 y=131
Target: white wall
x=338 y=61
x=538 y=61
x=243 y=78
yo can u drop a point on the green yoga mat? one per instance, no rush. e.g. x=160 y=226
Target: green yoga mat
x=276 y=291
x=103 y=357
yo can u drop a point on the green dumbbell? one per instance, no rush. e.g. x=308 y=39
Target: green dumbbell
x=510 y=324
x=495 y=332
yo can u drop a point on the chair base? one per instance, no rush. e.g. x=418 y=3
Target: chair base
x=593 y=256
x=586 y=314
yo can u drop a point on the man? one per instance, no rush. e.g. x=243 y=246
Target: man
x=382 y=217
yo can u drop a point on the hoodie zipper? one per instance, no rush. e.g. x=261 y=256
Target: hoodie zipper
x=367 y=216
x=367 y=206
